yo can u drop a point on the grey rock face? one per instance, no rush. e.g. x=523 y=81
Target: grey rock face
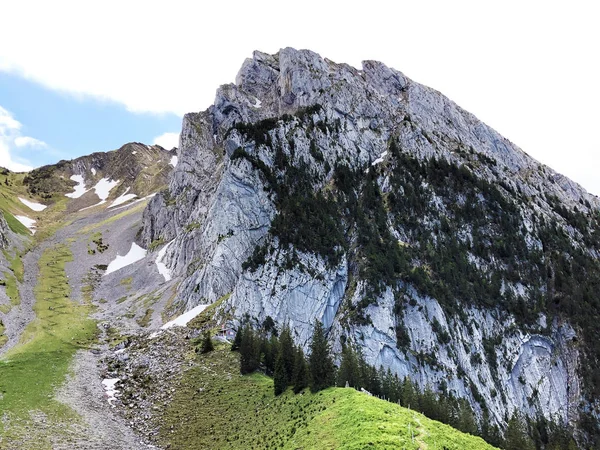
x=3 y=232
x=219 y=207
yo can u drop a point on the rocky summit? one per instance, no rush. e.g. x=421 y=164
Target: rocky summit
x=376 y=205
x=352 y=216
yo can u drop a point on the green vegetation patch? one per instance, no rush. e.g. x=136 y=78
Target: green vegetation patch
x=3 y=337
x=144 y=321
x=30 y=373
x=95 y=244
x=12 y=289
x=139 y=207
x=216 y=408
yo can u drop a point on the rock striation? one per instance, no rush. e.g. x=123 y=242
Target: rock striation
x=296 y=189
x=3 y=232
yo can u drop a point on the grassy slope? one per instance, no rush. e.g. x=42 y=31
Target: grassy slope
x=10 y=204
x=216 y=408
x=31 y=372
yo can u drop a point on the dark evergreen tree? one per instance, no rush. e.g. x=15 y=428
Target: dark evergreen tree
x=279 y=381
x=516 y=437
x=348 y=371
x=206 y=345
x=286 y=344
x=269 y=350
x=237 y=340
x=322 y=370
x=409 y=397
x=249 y=351
x=300 y=380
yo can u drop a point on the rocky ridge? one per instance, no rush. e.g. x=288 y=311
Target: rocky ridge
x=141 y=169
x=292 y=120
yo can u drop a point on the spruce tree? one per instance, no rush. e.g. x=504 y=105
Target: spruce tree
x=322 y=370
x=516 y=437
x=348 y=371
x=279 y=381
x=270 y=348
x=237 y=340
x=206 y=345
x=300 y=380
x=286 y=344
x=249 y=351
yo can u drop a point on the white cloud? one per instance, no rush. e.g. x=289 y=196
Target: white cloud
x=525 y=68
x=167 y=140
x=10 y=131
x=27 y=141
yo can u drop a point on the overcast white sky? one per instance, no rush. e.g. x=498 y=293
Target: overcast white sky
x=529 y=69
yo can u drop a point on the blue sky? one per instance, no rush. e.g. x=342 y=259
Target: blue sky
x=73 y=125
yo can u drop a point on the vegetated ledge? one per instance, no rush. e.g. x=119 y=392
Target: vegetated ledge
x=215 y=407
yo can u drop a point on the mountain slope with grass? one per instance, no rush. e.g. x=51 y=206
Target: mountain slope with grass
x=235 y=411
x=212 y=406
x=53 y=328
x=312 y=199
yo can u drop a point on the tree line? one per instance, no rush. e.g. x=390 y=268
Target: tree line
x=275 y=354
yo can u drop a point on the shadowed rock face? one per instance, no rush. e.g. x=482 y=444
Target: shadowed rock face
x=291 y=120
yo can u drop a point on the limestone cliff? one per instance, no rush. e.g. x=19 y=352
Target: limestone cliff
x=360 y=198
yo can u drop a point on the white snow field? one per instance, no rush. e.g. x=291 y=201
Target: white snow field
x=29 y=223
x=183 y=319
x=110 y=390
x=103 y=188
x=123 y=198
x=135 y=254
x=33 y=205
x=162 y=268
x=79 y=188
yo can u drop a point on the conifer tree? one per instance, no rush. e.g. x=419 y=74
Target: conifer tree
x=516 y=437
x=300 y=380
x=286 y=344
x=206 y=345
x=348 y=371
x=269 y=350
x=249 y=351
x=279 y=381
x=237 y=340
x=322 y=370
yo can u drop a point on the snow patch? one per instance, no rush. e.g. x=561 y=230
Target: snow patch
x=29 y=223
x=380 y=159
x=103 y=188
x=257 y=104
x=136 y=202
x=79 y=188
x=134 y=152
x=183 y=319
x=162 y=268
x=33 y=205
x=174 y=161
x=123 y=198
x=135 y=254
x=110 y=390
x=93 y=171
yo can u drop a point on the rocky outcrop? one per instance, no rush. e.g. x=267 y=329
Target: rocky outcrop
x=390 y=165
x=3 y=232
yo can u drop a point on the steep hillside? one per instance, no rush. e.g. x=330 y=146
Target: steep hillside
x=376 y=205
x=214 y=407
x=57 y=254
